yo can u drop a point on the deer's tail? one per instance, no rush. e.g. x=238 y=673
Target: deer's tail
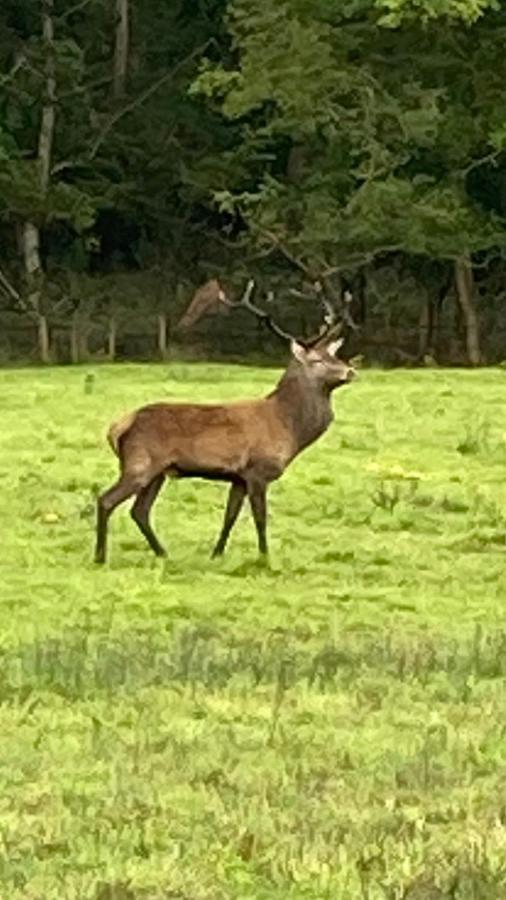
x=118 y=429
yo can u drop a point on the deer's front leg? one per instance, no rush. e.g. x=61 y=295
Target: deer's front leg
x=235 y=501
x=257 y=494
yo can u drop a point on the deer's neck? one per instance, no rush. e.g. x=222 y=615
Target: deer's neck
x=304 y=406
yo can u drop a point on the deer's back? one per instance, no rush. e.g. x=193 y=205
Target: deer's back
x=228 y=438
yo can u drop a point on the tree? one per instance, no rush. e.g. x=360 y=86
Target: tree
x=173 y=138
x=33 y=197
x=344 y=157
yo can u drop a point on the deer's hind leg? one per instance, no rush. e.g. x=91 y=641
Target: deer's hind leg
x=141 y=509
x=124 y=488
x=138 y=472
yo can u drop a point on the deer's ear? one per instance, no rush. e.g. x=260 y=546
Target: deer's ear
x=298 y=351
x=334 y=346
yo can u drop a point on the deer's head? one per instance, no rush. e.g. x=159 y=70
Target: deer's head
x=321 y=364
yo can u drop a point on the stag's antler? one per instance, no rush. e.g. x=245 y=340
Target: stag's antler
x=330 y=327
x=347 y=300
x=264 y=316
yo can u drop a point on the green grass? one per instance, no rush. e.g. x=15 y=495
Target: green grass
x=332 y=726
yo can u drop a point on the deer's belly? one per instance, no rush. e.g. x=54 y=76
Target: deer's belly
x=211 y=456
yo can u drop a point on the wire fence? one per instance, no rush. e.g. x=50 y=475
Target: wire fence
x=233 y=340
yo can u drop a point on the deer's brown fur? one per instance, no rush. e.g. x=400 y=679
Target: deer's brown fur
x=118 y=429
x=248 y=444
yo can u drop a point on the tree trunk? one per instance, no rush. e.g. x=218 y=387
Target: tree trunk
x=43 y=340
x=83 y=343
x=78 y=339
x=425 y=329
x=295 y=162
x=438 y=312
x=30 y=239
x=464 y=281
x=30 y=236
x=121 y=48
x=162 y=336
x=46 y=133
x=74 y=339
x=111 y=339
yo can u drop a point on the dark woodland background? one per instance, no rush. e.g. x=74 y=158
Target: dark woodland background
x=149 y=145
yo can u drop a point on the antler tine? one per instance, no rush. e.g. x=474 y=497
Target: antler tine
x=326 y=331
x=261 y=314
x=266 y=318
x=347 y=299
x=330 y=315
x=250 y=287
x=330 y=325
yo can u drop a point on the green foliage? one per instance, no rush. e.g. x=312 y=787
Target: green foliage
x=395 y=12
x=358 y=134
x=329 y=726
x=385 y=148
x=21 y=196
x=421 y=217
x=7 y=145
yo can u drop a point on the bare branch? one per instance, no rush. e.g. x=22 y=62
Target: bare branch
x=12 y=292
x=82 y=88
x=74 y=9
x=9 y=288
x=278 y=244
x=19 y=64
x=122 y=41
x=65 y=164
x=489 y=158
x=322 y=269
x=138 y=101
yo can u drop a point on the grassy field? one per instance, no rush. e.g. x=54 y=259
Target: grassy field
x=333 y=726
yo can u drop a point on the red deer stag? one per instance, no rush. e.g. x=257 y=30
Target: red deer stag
x=247 y=444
